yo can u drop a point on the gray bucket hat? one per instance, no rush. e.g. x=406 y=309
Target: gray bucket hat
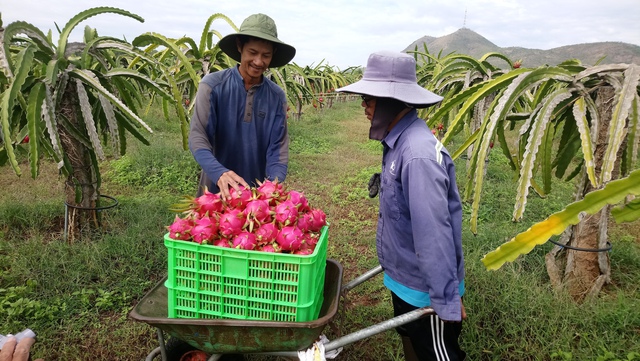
x=392 y=74
x=263 y=27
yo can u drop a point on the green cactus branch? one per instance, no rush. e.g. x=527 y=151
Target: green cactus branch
x=613 y=193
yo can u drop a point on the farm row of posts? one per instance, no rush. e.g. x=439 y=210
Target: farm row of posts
x=321 y=101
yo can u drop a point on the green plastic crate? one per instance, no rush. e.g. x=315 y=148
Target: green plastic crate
x=214 y=282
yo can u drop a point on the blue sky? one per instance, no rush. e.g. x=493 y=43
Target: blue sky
x=343 y=33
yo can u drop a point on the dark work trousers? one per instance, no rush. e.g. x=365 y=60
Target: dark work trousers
x=431 y=338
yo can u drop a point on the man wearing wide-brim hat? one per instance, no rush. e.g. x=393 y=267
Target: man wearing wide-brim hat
x=419 y=235
x=238 y=133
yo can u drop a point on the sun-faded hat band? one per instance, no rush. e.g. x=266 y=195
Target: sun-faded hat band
x=392 y=75
x=263 y=27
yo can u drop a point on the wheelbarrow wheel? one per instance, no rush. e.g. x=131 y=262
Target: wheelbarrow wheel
x=176 y=348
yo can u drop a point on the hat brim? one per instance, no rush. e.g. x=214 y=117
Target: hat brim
x=283 y=55
x=410 y=93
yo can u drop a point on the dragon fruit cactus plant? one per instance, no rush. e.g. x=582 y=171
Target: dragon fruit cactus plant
x=266 y=218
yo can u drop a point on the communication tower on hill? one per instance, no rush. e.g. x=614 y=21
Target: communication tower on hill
x=464 y=22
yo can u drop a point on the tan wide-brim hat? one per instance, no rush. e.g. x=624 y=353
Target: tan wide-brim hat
x=263 y=27
x=392 y=75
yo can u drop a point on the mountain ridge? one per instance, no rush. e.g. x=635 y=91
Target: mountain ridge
x=468 y=42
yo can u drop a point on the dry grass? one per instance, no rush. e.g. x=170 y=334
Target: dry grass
x=48 y=186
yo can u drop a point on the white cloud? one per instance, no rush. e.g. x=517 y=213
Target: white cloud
x=345 y=33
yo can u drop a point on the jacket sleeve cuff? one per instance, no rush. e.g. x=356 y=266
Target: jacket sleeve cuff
x=278 y=171
x=448 y=312
x=448 y=308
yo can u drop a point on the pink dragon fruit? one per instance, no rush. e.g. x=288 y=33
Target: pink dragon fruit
x=258 y=210
x=318 y=220
x=222 y=242
x=270 y=191
x=239 y=198
x=272 y=248
x=266 y=233
x=289 y=238
x=305 y=247
x=286 y=213
x=267 y=218
x=299 y=200
x=304 y=222
x=208 y=203
x=304 y=251
x=231 y=223
x=310 y=239
x=205 y=230
x=245 y=240
x=180 y=228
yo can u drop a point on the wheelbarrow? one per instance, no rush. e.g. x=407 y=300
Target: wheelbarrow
x=228 y=336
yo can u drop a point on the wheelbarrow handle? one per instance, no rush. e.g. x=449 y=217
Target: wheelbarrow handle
x=361 y=279
x=366 y=332
x=378 y=328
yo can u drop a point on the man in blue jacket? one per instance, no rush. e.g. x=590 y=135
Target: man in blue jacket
x=238 y=130
x=419 y=237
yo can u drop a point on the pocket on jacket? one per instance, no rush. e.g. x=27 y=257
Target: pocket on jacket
x=389 y=199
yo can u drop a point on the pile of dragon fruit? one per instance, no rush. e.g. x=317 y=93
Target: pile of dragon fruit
x=266 y=218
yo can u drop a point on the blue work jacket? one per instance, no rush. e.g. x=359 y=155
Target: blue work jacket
x=241 y=130
x=419 y=235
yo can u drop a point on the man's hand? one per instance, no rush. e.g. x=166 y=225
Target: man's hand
x=226 y=180
x=463 y=311
x=14 y=351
